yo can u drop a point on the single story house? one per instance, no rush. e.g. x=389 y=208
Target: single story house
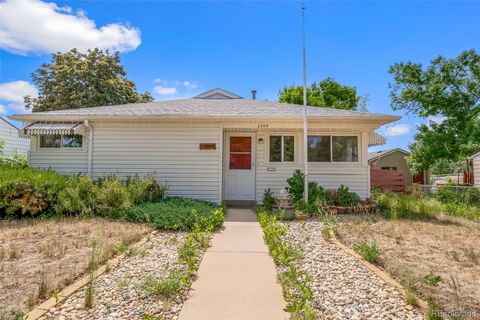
x=215 y=146
x=475 y=165
x=13 y=142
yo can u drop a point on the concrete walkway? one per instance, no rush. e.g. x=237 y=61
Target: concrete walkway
x=237 y=278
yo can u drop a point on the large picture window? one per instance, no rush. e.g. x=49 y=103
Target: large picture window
x=282 y=148
x=332 y=148
x=61 y=141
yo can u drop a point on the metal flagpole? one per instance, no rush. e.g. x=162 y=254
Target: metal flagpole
x=305 y=122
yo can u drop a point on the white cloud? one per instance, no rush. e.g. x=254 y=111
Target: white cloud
x=165 y=91
x=397 y=130
x=36 y=26
x=189 y=85
x=13 y=93
x=2 y=109
x=436 y=119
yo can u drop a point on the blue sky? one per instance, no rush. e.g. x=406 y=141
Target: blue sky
x=178 y=49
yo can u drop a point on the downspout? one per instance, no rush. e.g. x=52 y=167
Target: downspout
x=90 y=147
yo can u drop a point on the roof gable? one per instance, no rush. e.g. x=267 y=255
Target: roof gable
x=382 y=153
x=217 y=93
x=475 y=155
x=8 y=123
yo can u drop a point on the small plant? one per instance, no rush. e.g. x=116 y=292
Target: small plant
x=150 y=317
x=327 y=235
x=122 y=283
x=43 y=288
x=107 y=268
x=411 y=295
x=472 y=255
x=432 y=279
x=446 y=195
x=455 y=286
x=368 y=250
x=434 y=311
x=89 y=294
x=166 y=287
x=471 y=196
x=268 y=200
x=345 y=198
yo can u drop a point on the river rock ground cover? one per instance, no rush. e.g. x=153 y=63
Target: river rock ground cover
x=121 y=294
x=438 y=256
x=342 y=287
x=38 y=258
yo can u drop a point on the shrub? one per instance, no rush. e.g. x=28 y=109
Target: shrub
x=268 y=200
x=15 y=161
x=144 y=189
x=343 y=197
x=446 y=195
x=166 y=287
x=471 y=196
x=28 y=192
x=177 y=214
x=79 y=197
x=113 y=198
x=369 y=251
x=296 y=190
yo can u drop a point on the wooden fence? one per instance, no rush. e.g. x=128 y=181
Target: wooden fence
x=387 y=180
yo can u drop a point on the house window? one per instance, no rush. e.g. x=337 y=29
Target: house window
x=332 y=149
x=345 y=149
x=389 y=168
x=240 y=153
x=319 y=149
x=282 y=148
x=61 y=141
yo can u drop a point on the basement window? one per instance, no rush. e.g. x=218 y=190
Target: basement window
x=282 y=148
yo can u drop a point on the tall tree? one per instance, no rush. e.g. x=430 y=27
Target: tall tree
x=80 y=80
x=449 y=88
x=327 y=93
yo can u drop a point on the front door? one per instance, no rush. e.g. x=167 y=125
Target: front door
x=240 y=166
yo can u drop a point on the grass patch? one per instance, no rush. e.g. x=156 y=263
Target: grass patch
x=368 y=250
x=166 y=287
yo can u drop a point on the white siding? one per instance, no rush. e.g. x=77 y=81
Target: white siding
x=476 y=171
x=65 y=160
x=13 y=143
x=170 y=152
x=328 y=175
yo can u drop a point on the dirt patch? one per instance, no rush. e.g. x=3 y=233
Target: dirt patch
x=440 y=257
x=38 y=258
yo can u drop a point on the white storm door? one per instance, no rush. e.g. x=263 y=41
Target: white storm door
x=240 y=166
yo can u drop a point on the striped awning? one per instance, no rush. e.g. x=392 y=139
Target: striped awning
x=53 y=129
x=374 y=139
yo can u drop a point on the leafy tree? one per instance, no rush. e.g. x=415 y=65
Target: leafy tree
x=327 y=93
x=79 y=80
x=443 y=166
x=449 y=88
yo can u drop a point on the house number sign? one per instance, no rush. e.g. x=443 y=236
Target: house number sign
x=208 y=146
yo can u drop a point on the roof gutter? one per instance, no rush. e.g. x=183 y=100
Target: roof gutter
x=90 y=147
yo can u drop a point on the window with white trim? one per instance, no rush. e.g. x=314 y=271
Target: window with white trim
x=333 y=148
x=282 y=148
x=61 y=141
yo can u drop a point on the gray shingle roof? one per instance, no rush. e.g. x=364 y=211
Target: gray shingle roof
x=381 y=153
x=200 y=108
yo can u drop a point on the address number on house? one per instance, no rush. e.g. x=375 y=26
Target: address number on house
x=208 y=146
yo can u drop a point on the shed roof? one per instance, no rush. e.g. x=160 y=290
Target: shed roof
x=382 y=153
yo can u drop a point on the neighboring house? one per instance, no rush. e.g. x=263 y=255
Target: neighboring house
x=475 y=164
x=392 y=159
x=215 y=146
x=13 y=142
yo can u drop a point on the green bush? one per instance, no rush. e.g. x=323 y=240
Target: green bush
x=15 y=161
x=113 y=198
x=177 y=214
x=471 y=196
x=143 y=189
x=369 y=251
x=446 y=195
x=80 y=196
x=343 y=197
x=28 y=192
x=296 y=188
x=268 y=200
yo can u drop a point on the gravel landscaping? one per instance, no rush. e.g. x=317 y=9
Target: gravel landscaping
x=120 y=293
x=342 y=287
